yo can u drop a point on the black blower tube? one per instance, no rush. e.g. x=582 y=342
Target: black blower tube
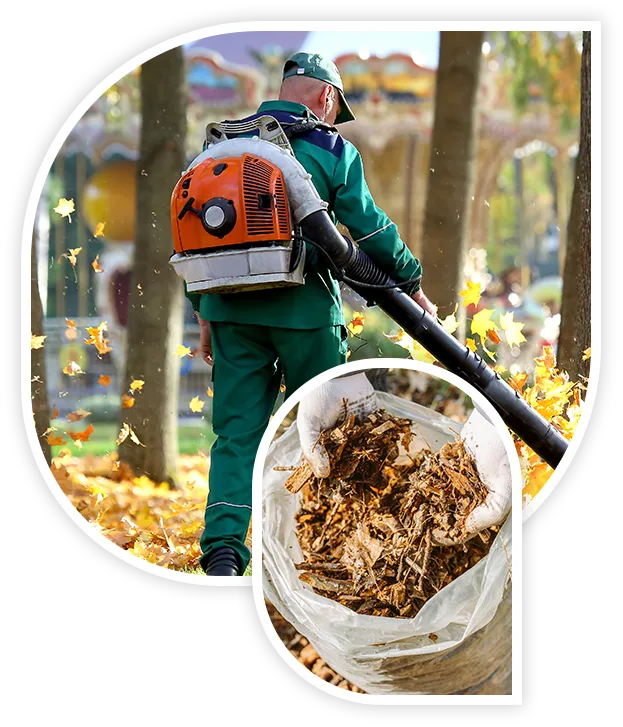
x=518 y=415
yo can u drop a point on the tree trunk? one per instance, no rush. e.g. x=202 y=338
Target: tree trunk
x=452 y=167
x=38 y=385
x=156 y=299
x=575 y=325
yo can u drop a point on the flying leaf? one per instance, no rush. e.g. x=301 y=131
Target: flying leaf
x=512 y=329
x=518 y=381
x=470 y=294
x=481 y=323
x=104 y=380
x=493 y=336
x=76 y=416
x=72 y=369
x=471 y=344
x=450 y=323
x=49 y=430
x=587 y=354
x=282 y=388
x=127 y=401
x=55 y=413
x=56 y=441
x=127 y=431
x=356 y=324
x=65 y=207
x=499 y=369
x=196 y=404
x=81 y=436
x=137 y=385
x=64 y=456
x=96 y=337
x=96 y=266
x=182 y=351
x=209 y=392
x=36 y=341
x=72 y=256
x=99 y=230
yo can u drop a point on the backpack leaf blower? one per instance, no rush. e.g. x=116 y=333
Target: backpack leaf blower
x=241 y=213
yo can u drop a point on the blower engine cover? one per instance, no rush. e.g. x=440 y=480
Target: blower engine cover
x=232 y=227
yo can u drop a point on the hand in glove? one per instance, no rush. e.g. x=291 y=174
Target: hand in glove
x=324 y=407
x=483 y=442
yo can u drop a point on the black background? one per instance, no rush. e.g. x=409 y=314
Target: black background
x=205 y=646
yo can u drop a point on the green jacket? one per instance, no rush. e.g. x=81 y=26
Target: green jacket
x=337 y=172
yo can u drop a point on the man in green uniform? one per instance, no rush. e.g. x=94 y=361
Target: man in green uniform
x=254 y=338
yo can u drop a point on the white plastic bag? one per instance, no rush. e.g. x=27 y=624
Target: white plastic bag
x=471 y=616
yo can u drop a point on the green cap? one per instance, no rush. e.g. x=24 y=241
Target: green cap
x=315 y=66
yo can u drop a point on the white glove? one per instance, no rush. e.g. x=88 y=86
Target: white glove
x=324 y=408
x=483 y=442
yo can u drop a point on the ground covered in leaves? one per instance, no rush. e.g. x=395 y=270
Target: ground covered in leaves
x=150 y=520
x=379 y=534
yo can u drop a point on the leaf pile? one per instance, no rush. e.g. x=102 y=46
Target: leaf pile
x=376 y=533
x=148 y=519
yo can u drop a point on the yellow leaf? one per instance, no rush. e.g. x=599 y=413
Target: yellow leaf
x=104 y=380
x=49 y=430
x=182 y=351
x=127 y=431
x=499 y=369
x=76 y=416
x=587 y=354
x=65 y=207
x=56 y=441
x=356 y=324
x=481 y=323
x=63 y=458
x=137 y=385
x=72 y=369
x=99 y=230
x=512 y=329
x=470 y=294
x=36 y=341
x=96 y=266
x=471 y=344
x=450 y=323
x=96 y=337
x=73 y=255
x=210 y=392
x=196 y=404
x=70 y=332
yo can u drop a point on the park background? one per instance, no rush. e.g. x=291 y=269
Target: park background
x=472 y=152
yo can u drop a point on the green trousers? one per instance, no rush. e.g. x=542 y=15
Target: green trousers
x=249 y=362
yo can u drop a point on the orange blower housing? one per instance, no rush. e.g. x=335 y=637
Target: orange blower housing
x=239 y=201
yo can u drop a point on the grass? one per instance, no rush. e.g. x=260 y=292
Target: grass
x=103 y=440
x=201 y=572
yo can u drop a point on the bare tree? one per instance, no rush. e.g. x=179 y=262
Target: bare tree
x=452 y=166
x=38 y=380
x=575 y=326
x=156 y=300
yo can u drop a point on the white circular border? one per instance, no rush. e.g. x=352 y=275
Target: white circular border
x=258 y=591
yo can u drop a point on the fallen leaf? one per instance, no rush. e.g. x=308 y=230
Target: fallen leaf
x=65 y=207
x=182 y=351
x=36 y=341
x=81 y=436
x=470 y=294
x=512 y=329
x=76 y=416
x=356 y=324
x=99 y=230
x=481 y=323
x=127 y=401
x=104 y=380
x=72 y=369
x=196 y=404
x=137 y=385
x=63 y=458
x=96 y=266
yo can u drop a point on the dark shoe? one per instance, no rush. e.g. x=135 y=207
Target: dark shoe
x=223 y=562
